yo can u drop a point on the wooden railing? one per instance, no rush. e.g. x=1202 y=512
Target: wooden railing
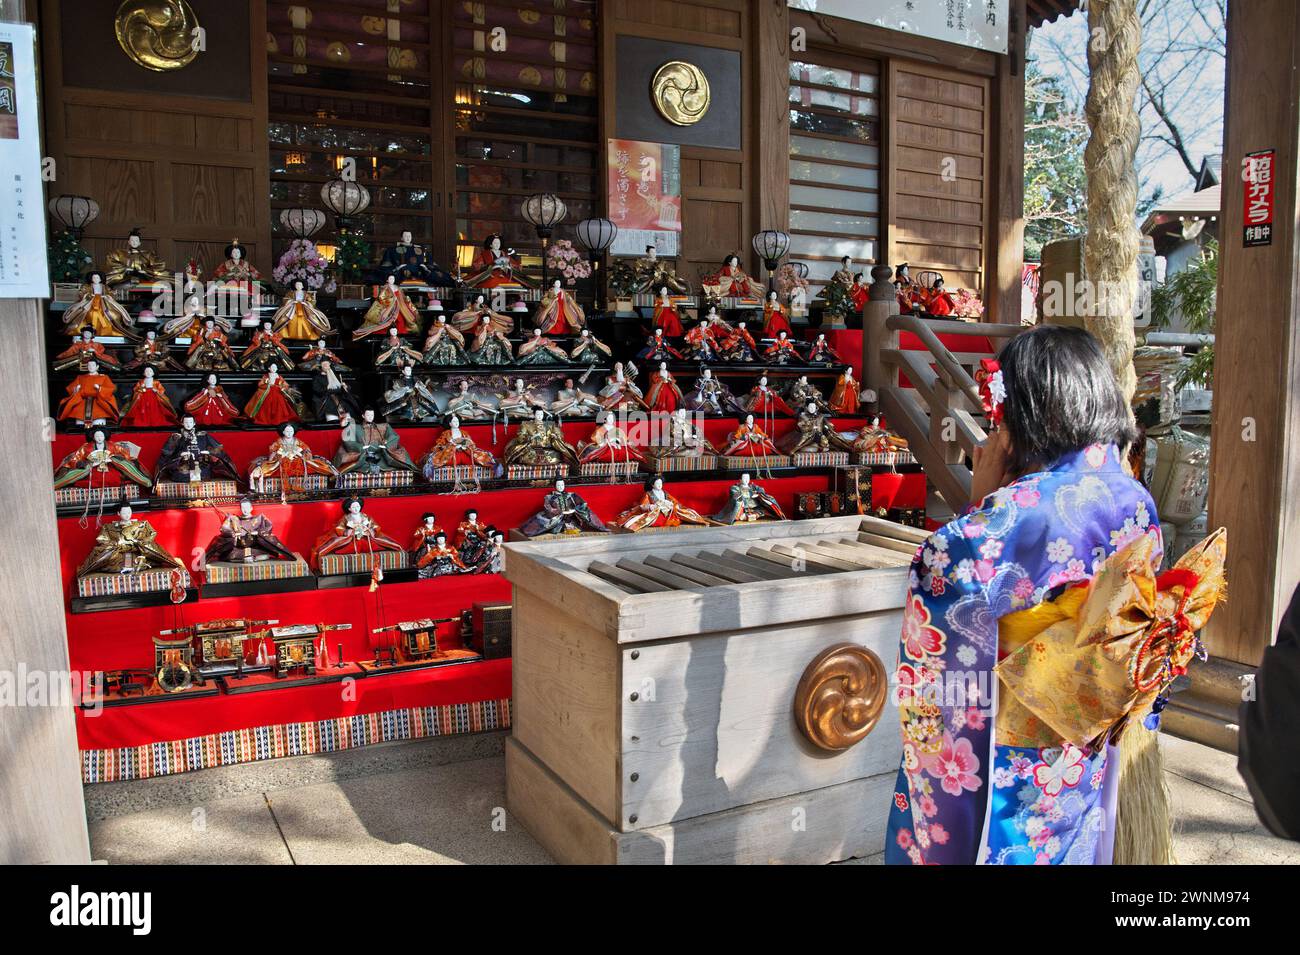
x=938 y=410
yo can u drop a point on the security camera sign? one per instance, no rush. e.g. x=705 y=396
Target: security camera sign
x=1257 y=214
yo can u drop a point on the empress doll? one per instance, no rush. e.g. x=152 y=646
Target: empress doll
x=732 y=281
x=666 y=317
x=495 y=266
x=355 y=533
x=101 y=462
x=658 y=508
x=390 y=309
x=289 y=460
x=298 y=319
x=774 y=317
x=663 y=395
x=608 y=444
x=748 y=440
x=275 y=401
x=97 y=310
x=210 y=406
x=559 y=312
x=236 y=267
x=148 y=406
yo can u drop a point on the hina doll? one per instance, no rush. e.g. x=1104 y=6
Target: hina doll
x=559 y=312
x=275 y=401
x=410 y=262
x=740 y=347
x=540 y=350
x=804 y=391
x=97 y=310
x=731 y=281
x=748 y=502
x=318 y=357
x=653 y=272
x=331 y=398
x=663 y=395
x=467 y=406
x=563 y=512
x=210 y=406
x=90 y=398
x=539 y=443
x=471 y=539
x=264 y=349
x=763 y=402
x=298 y=319
x=658 y=508
x=938 y=302
x=444 y=345
x=210 y=350
x=905 y=290
x=608 y=444
x=620 y=392
x=873 y=439
x=396 y=353
x=236 y=268
x=127 y=546
x=822 y=353
x=153 y=351
x=390 y=309
x=246 y=538
x=782 y=351
x=148 y=406
x=702 y=341
x=814 y=432
x=100 y=462
x=469 y=319
x=859 y=293
x=83 y=351
x=657 y=349
x=590 y=350
x=774 y=317
x=455 y=449
x=684 y=439
x=425 y=536
x=845 y=398
x=710 y=396
x=440 y=560
x=409 y=398
x=289 y=461
x=519 y=401
x=749 y=441
x=493 y=560
x=495 y=266
x=666 y=317
x=134 y=263
x=574 y=402
x=191 y=455
x=843 y=276
x=355 y=533
x=192 y=318
x=490 y=345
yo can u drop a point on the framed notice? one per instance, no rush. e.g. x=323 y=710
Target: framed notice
x=1257 y=211
x=978 y=23
x=24 y=269
x=645 y=196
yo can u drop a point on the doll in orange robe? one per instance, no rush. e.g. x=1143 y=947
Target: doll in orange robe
x=275 y=401
x=454 y=448
x=666 y=316
x=90 y=398
x=422 y=540
x=559 y=312
x=355 y=533
x=148 y=405
x=210 y=406
x=658 y=508
x=663 y=393
x=83 y=351
x=845 y=399
x=782 y=351
x=774 y=317
x=765 y=403
x=749 y=441
x=938 y=301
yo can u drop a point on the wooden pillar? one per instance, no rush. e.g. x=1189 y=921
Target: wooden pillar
x=1255 y=454
x=770 y=181
x=1003 y=290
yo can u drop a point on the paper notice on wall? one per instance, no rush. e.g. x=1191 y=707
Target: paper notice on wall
x=645 y=196
x=978 y=23
x=24 y=267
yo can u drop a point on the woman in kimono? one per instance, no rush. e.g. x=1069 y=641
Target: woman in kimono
x=355 y=533
x=101 y=462
x=444 y=345
x=995 y=769
x=666 y=317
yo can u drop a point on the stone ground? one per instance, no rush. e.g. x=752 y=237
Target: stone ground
x=442 y=801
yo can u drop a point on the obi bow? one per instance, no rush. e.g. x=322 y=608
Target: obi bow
x=1079 y=665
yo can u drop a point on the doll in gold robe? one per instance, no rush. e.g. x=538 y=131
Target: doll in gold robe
x=97 y=310
x=298 y=318
x=539 y=442
x=390 y=308
x=210 y=350
x=154 y=351
x=814 y=432
x=127 y=546
x=133 y=263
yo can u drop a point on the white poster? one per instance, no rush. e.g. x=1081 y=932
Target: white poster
x=978 y=23
x=24 y=267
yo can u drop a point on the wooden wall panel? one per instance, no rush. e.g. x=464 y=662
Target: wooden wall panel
x=190 y=172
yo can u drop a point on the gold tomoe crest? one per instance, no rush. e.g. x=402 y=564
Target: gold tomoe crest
x=680 y=92
x=157 y=35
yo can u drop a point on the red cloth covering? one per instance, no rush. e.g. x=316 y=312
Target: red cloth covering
x=848 y=345
x=122 y=638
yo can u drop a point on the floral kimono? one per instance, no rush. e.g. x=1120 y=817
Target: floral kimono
x=966 y=794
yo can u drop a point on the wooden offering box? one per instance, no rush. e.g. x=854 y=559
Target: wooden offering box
x=680 y=698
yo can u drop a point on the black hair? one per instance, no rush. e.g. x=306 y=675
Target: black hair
x=487 y=243
x=234 y=245
x=287 y=424
x=1061 y=396
x=347 y=502
x=426 y=515
x=471 y=510
x=90 y=276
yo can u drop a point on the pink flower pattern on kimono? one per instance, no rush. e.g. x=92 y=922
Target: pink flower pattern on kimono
x=920 y=639
x=956 y=766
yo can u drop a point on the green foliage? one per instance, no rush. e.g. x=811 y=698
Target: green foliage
x=68 y=260
x=1191 y=294
x=838 y=300
x=1056 y=187
x=352 y=257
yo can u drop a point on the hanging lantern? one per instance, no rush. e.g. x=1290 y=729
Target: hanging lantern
x=800 y=269
x=596 y=236
x=544 y=210
x=345 y=198
x=770 y=245
x=74 y=212
x=302 y=223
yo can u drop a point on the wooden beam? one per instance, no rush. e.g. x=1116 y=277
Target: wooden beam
x=770 y=25
x=1255 y=456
